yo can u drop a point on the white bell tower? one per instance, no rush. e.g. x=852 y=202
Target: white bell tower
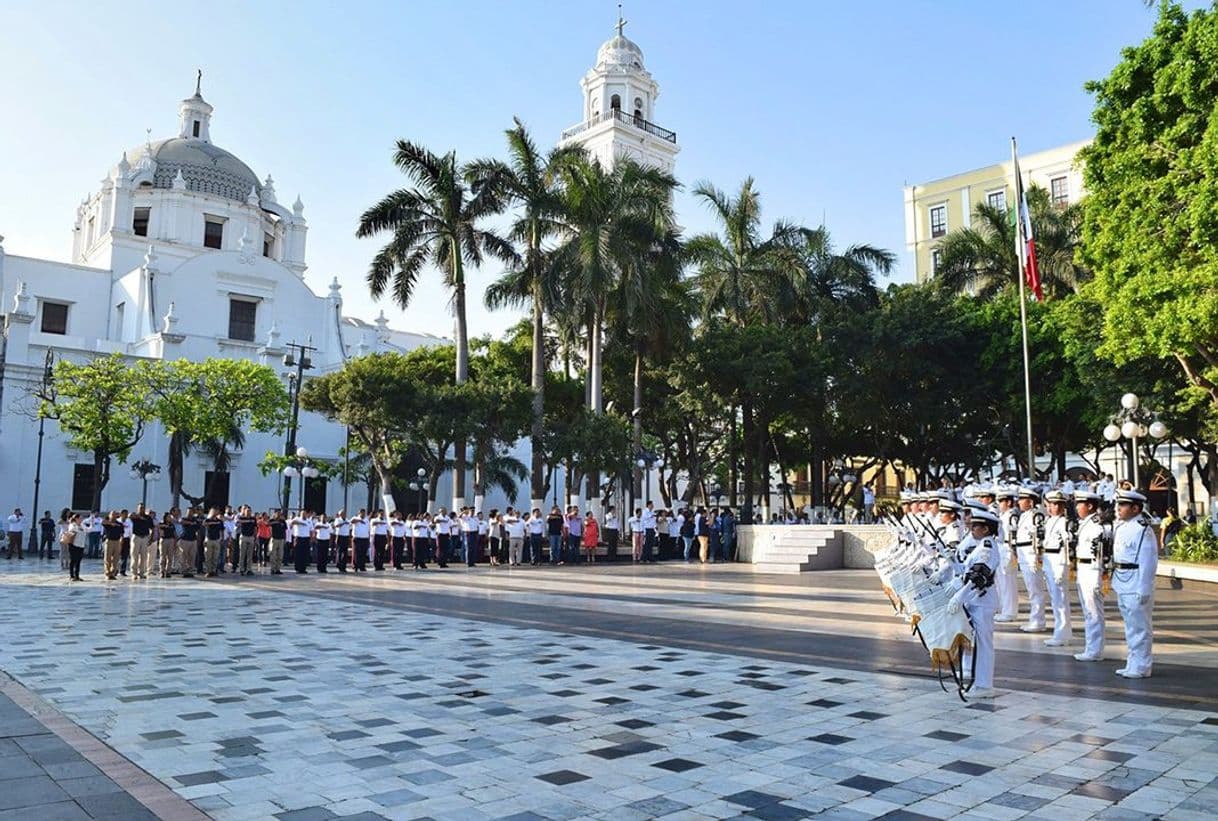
x=619 y=109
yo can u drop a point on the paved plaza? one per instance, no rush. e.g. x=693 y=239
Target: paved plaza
x=579 y=692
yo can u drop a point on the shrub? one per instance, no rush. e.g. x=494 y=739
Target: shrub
x=1196 y=543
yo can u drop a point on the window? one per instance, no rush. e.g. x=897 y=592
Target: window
x=268 y=245
x=194 y=129
x=938 y=220
x=997 y=200
x=54 y=318
x=139 y=223
x=936 y=259
x=241 y=315
x=213 y=232
x=615 y=102
x=82 y=487
x=1059 y=190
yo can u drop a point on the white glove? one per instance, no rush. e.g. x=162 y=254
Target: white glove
x=953 y=606
x=956 y=583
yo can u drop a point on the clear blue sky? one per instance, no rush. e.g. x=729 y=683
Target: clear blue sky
x=832 y=107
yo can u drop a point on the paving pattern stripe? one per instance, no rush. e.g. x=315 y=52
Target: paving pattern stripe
x=1191 y=691
x=138 y=783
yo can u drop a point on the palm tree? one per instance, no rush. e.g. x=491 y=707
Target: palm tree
x=983 y=261
x=828 y=281
x=738 y=273
x=436 y=221
x=611 y=217
x=529 y=180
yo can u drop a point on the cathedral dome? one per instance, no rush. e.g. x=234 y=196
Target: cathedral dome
x=205 y=168
x=619 y=50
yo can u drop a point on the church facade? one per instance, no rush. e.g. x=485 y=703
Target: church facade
x=185 y=252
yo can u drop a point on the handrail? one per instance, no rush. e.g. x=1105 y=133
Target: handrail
x=621 y=116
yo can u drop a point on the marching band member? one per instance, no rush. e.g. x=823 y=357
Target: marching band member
x=975 y=593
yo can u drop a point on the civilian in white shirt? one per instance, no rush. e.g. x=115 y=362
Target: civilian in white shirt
x=515 y=531
x=16 y=532
x=612 y=533
x=537 y=535
x=635 y=523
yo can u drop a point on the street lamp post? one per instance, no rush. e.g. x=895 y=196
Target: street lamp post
x=48 y=382
x=299 y=469
x=1134 y=421
x=298 y=358
x=646 y=461
x=420 y=485
x=143 y=470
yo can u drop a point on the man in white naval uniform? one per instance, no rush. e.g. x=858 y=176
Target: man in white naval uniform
x=1028 y=535
x=975 y=591
x=1005 y=582
x=1058 y=547
x=1135 y=555
x=1093 y=553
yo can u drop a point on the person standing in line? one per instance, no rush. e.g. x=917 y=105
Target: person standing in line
x=360 y=534
x=1058 y=548
x=592 y=536
x=246 y=526
x=380 y=539
x=279 y=536
x=141 y=535
x=397 y=537
x=302 y=533
x=16 y=532
x=95 y=535
x=440 y=526
x=674 y=532
x=635 y=523
x=1135 y=555
x=422 y=541
x=702 y=532
x=687 y=531
x=1093 y=554
x=727 y=527
x=483 y=533
x=323 y=530
x=469 y=532
x=228 y=551
x=65 y=519
x=112 y=529
x=516 y=528
x=1029 y=535
x=663 y=551
x=77 y=539
x=716 y=531
x=125 y=556
x=555 y=525
x=188 y=544
x=575 y=532
x=493 y=525
x=612 y=533
x=262 y=533
x=649 y=533
x=213 y=533
x=168 y=545
x=536 y=535
x=342 y=540
x=46 y=535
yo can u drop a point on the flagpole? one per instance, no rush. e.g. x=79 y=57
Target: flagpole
x=1023 y=310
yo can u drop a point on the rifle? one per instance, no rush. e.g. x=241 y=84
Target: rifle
x=1072 y=548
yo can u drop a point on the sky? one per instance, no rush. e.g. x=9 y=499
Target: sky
x=831 y=107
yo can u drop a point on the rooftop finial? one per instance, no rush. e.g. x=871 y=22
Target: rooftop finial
x=621 y=23
x=199 y=83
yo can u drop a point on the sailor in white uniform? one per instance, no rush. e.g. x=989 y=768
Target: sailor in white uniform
x=1135 y=554
x=1058 y=559
x=1093 y=555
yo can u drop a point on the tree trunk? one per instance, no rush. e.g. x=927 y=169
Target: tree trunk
x=732 y=474
x=462 y=369
x=537 y=479
x=175 y=467
x=746 y=514
x=637 y=433
x=101 y=477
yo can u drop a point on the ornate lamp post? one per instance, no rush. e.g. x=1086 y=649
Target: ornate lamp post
x=48 y=384
x=144 y=470
x=300 y=469
x=420 y=485
x=646 y=461
x=1134 y=421
x=298 y=358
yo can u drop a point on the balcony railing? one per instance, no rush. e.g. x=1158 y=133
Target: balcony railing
x=621 y=116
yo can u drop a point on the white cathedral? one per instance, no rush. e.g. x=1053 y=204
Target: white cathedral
x=186 y=253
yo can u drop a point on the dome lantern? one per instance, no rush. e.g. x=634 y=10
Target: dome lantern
x=194 y=114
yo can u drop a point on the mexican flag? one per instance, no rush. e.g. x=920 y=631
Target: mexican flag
x=1025 y=244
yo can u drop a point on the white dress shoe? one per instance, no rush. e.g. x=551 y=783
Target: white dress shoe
x=1032 y=628
x=1128 y=674
x=1086 y=657
x=1122 y=671
x=982 y=692
x=1055 y=643
x=1002 y=618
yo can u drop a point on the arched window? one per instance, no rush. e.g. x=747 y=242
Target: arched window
x=615 y=102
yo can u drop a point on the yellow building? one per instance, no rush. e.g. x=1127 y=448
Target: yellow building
x=932 y=209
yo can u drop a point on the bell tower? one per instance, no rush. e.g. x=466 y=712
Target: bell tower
x=194 y=114
x=619 y=97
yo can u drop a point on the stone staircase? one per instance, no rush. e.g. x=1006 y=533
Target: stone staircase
x=779 y=549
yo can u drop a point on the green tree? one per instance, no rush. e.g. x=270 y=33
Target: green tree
x=1150 y=225
x=208 y=405
x=530 y=181
x=436 y=221
x=102 y=405
x=982 y=259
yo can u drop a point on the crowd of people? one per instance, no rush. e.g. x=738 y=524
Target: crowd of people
x=140 y=543
x=970 y=552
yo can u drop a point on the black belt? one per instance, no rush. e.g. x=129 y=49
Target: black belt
x=1126 y=566
x=1053 y=550
x=1081 y=560
x=1023 y=544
